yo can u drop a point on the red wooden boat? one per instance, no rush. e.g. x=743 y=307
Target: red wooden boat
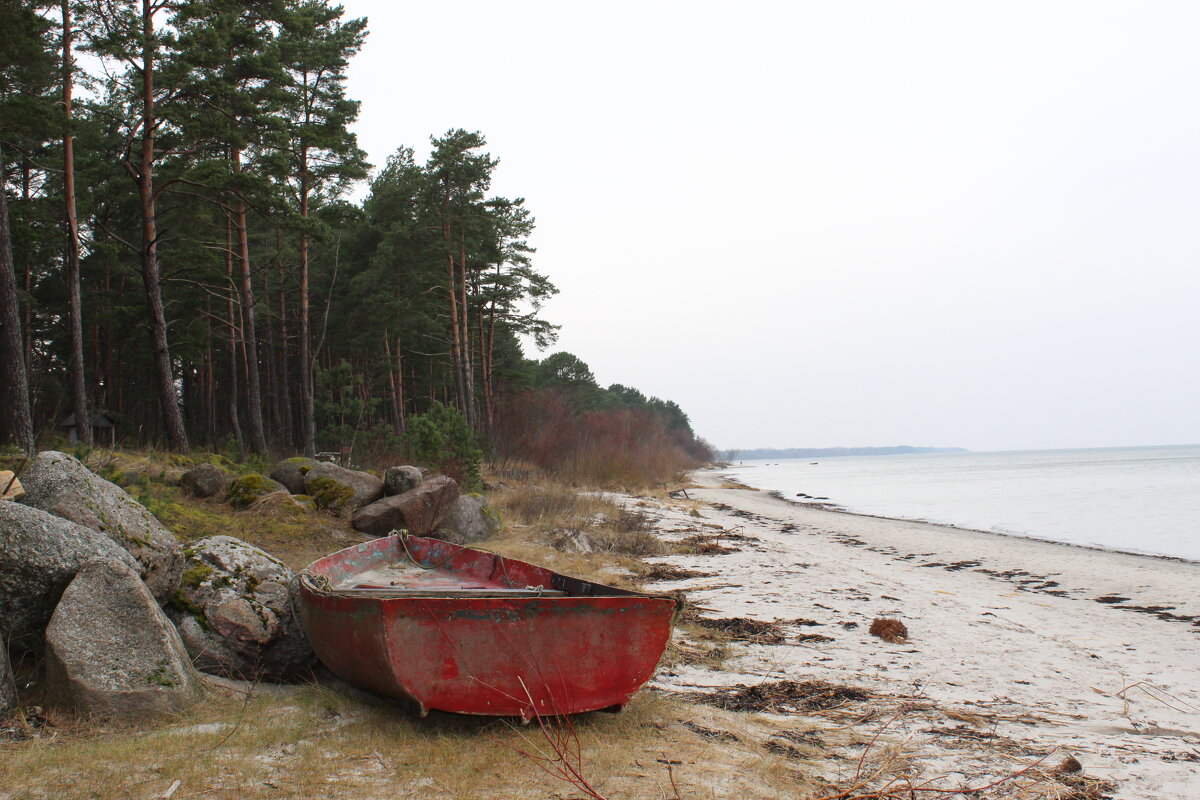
x=465 y=630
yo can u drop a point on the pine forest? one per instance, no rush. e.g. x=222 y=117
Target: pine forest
x=182 y=265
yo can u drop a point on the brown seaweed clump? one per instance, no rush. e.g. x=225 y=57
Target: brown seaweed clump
x=889 y=629
x=782 y=697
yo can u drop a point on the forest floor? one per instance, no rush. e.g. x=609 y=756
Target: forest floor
x=766 y=690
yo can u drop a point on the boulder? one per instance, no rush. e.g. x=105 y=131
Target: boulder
x=291 y=471
x=206 y=480
x=10 y=486
x=365 y=487
x=469 y=520
x=245 y=490
x=418 y=510
x=58 y=484
x=234 y=612
x=39 y=555
x=8 y=687
x=111 y=651
x=398 y=480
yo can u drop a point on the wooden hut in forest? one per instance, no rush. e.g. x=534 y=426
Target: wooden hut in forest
x=104 y=433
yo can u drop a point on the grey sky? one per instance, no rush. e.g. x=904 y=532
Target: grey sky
x=842 y=223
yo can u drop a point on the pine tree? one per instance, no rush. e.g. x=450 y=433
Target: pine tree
x=129 y=31
x=321 y=154
x=26 y=80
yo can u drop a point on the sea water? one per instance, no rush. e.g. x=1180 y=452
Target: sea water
x=1134 y=499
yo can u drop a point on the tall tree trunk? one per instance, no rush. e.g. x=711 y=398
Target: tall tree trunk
x=26 y=307
x=14 y=382
x=285 y=378
x=456 y=342
x=308 y=419
x=487 y=350
x=79 y=398
x=258 y=437
x=465 y=326
x=151 y=278
x=231 y=313
x=271 y=384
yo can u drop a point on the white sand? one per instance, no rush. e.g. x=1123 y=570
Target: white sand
x=1118 y=689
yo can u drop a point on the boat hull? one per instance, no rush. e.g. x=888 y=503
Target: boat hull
x=502 y=656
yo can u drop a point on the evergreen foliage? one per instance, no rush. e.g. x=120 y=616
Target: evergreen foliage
x=230 y=296
x=441 y=439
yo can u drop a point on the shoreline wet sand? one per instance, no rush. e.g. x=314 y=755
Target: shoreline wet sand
x=1093 y=652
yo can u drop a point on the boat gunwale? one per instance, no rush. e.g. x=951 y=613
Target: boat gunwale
x=561 y=590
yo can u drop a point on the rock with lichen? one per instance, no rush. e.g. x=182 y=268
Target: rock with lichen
x=111 y=651
x=398 y=480
x=291 y=471
x=39 y=555
x=364 y=487
x=60 y=485
x=245 y=490
x=469 y=519
x=235 y=614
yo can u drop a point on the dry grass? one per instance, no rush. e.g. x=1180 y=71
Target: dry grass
x=311 y=742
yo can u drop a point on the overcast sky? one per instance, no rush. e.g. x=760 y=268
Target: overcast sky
x=841 y=223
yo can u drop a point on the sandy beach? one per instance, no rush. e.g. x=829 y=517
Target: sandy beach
x=1018 y=649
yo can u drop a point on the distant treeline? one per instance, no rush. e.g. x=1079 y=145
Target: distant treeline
x=832 y=452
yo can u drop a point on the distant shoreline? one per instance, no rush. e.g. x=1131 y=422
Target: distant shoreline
x=834 y=508
x=837 y=452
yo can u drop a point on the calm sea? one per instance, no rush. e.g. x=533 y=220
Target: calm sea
x=1136 y=499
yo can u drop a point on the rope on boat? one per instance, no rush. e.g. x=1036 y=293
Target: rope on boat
x=402 y=534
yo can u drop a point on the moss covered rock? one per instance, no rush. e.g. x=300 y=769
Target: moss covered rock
x=365 y=488
x=328 y=494
x=291 y=472
x=248 y=488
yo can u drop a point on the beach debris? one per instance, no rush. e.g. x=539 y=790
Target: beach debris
x=706 y=545
x=710 y=733
x=889 y=629
x=781 y=697
x=670 y=572
x=746 y=630
x=1069 y=773
x=1068 y=766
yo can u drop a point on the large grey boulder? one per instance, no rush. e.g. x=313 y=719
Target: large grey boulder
x=58 y=484
x=418 y=510
x=206 y=480
x=366 y=488
x=111 y=651
x=469 y=520
x=234 y=612
x=398 y=480
x=8 y=687
x=39 y=555
x=291 y=471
